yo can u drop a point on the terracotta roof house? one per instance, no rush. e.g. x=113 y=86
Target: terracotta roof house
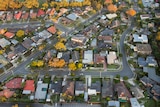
x=51 y=11
x=17 y=15
x=62 y=11
x=143 y=49
x=40 y=13
x=100 y=60
x=111 y=57
x=107 y=89
x=79 y=88
x=52 y=29
x=14 y=83
x=33 y=15
x=123 y=93
x=2 y=31
x=147 y=81
x=28 y=43
x=7 y=93
x=106 y=39
x=9 y=16
x=9 y=35
x=29 y=87
x=25 y=15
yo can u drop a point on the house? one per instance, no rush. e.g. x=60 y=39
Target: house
x=11 y=55
x=107 y=32
x=62 y=11
x=75 y=56
x=141 y=62
x=45 y=34
x=52 y=30
x=25 y=15
x=100 y=60
x=2 y=15
x=56 y=87
x=151 y=61
x=111 y=57
x=14 y=83
x=4 y=42
x=80 y=39
x=9 y=35
x=147 y=3
x=134 y=102
x=147 y=81
x=107 y=89
x=137 y=92
x=3 y=61
x=28 y=43
x=72 y=16
x=79 y=88
x=2 y=31
x=142 y=39
x=143 y=49
x=111 y=15
x=51 y=12
x=17 y=15
x=40 y=13
x=93 y=42
x=41 y=90
x=113 y=104
x=156 y=92
x=38 y=40
x=88 y=57
x=9 y=16
x=95 y=88
x=122 y=91
x=29 y=87
x=33 y=15
x=66 y=56
x=157 y=15
x=123 y=17
x=6 y=93
x=145 y=16
x=114 y=24
x=68 y=88
x=19 y=49
x=14 y=41
x=49 y=55
x=106 y=39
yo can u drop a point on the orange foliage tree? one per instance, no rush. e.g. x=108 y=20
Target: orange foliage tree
x=108 y=2
x=56 y=62
x=112 y=8
x=131 y=12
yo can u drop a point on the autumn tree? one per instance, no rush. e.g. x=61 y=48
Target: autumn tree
x=131 y=12
x=14 y=4
x=31 y=3
x=79 y=65
x=45 y=5
x=108 y=1
x=20 y=33
x=4 y=4
x=158 y=36
x=112 y=8
x=38 y=63
x=56 y=62
x=60 y=46
x=72 y=66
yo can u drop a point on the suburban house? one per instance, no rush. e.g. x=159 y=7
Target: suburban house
x=145 y=16
x=4 y=42
x=142 y=62
x=41 y=90
x=75 y=56
x=79 y=39
x=113 y=104
x=94 y=88
x=134 y=102
x=14 y=83
x=147 y=3
x=142 y=39
x=157 y=15
x=111 y=57
x=107 y=32
x=106 y=39
x=17 y=15
x=9 y=35
x=114 y=24
x=156 y=91
x=88 y=57
x=9 y=16
x=52 y=30
x=29 y=87
x=28 y=43
x=33 y=14
x=7 y=93
x=111 y=15
x=151 y=61
x=40 y=13
x=123 y=93
x=107 y=88
x=143 y=49
x=147 y=81
x=45 y=34
x=66 y=56
x=25 y=15
x=72 y=16
x=38 y=40
x=3 y=61
x=137 y=92
x=100 y=60
x=79 y=88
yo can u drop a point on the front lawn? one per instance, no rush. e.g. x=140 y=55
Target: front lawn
x=94 y=98
x=112 y=66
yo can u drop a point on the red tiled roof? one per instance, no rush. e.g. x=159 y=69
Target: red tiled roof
x=29 y=85
x=33 y=15
x=7 y=93
x=18 y=15
x=25 y=15
x=52 y=29
x=14 y=83
x=9 y=34
x=40 y=12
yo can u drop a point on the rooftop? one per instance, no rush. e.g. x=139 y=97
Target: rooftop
x=29 y=85
x=14 y=83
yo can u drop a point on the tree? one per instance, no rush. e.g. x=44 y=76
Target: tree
x=112 y=8
x=108 y=2
x=2 y=51
x=14 y=4
x=38 y=63
x=45 y=6
x=72 y=66
x=131 y=12
x=60 y=46
x=31 y=3
x=4 y=4
x=20 y=33
x=56 y=62
x=158 y=36
x=79 y=65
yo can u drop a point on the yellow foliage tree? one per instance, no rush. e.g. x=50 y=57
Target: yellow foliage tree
x=38 y=63
x=112 y=8
x=72 y=66
x=4 y=4
x=86 y=3
x=79 y=65
x=56 y=62
x=2 y=51
x=60 y=46
x=3 y=99
x=131 y=12
x=31 y=3
x=14 y=4
x=158 y=36
x=45 y=6
x=20 y=33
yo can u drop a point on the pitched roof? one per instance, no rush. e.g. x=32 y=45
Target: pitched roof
x=40 y=12
x=18 y=15
x=156 y=89
x=147 y=80
x=4 y=42
x=25 y=15
x=9 y=35
x=2 y=31
x=7 y=93
x=27 y=43
x=29 y=85
x=52 y=29
x=14 y=83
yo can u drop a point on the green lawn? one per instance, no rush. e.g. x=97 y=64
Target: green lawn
x=112 y=66
x=55 y=98
x=127 y=104
x=94 y=98
x=47 y=79
x=151 y=103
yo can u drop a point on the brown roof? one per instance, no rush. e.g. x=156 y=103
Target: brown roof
x=52 y=29
x=9 y=34
x=14 y=83
x=143 y=47
x=69 y=88
x=33 y=15
x=25 y=15
x=99 y=59
x=9 y=16
x=7 y=93
x=105 y=38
